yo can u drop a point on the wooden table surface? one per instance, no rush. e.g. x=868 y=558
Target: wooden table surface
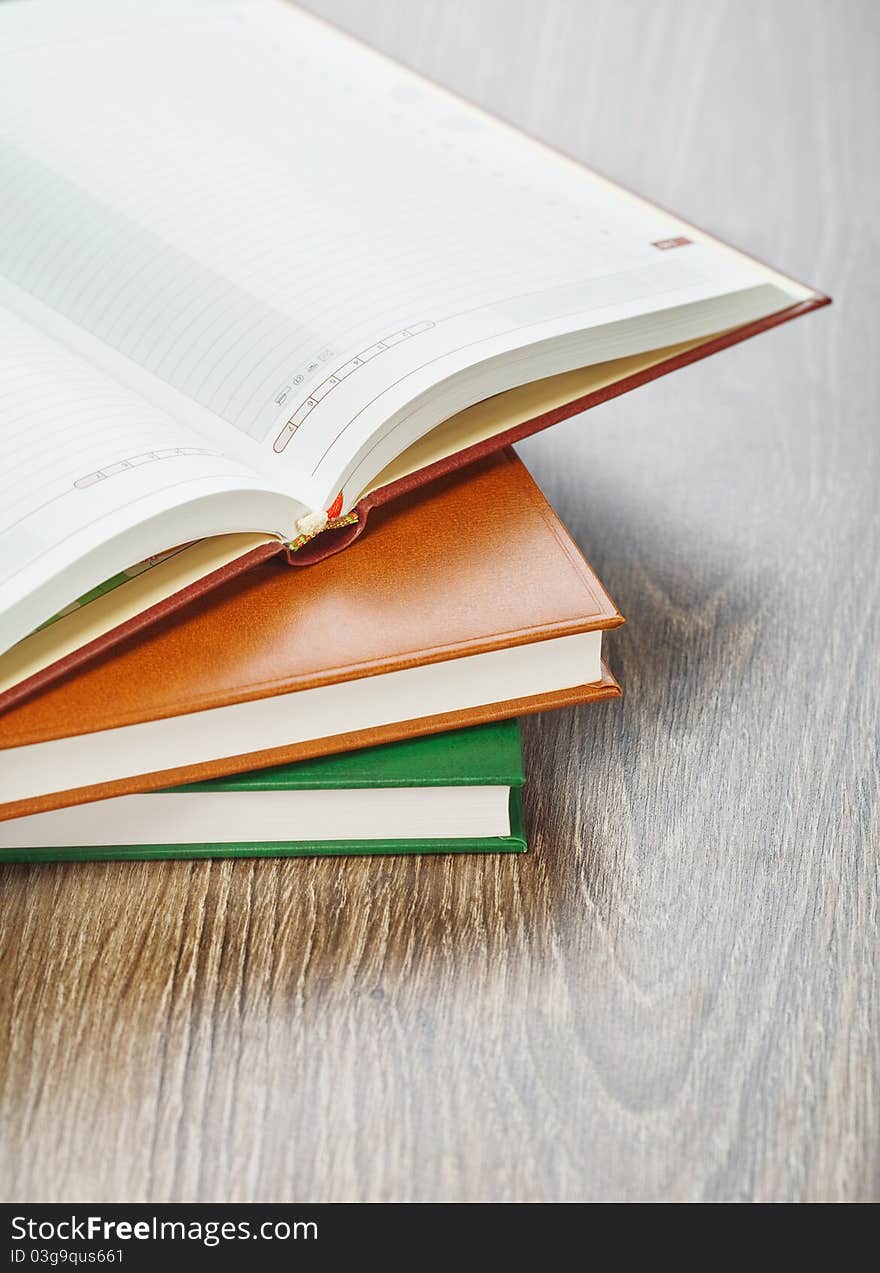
x=675 y=994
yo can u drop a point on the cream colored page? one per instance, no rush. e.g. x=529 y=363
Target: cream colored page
x=504 y=411
x=287 y=229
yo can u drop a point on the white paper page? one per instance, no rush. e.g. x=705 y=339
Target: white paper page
x=269 y=817
x=283 y=227
x=83 y=461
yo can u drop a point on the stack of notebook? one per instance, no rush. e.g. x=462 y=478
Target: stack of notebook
x=269 y=335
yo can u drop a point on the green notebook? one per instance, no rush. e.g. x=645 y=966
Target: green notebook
x=448 y=793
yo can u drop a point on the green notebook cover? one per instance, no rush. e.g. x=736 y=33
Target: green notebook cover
x=484 y=755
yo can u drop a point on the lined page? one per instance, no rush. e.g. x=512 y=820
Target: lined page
x=82 y=460
x=283 y=226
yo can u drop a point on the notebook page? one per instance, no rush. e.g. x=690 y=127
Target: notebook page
x=82 y=461
x=293 y=227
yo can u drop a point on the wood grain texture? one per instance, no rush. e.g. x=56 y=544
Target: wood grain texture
x=675 y=995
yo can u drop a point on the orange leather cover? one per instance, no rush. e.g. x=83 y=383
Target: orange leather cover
x=477 y=561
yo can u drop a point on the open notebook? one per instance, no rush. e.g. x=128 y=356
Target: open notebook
x=255 y=278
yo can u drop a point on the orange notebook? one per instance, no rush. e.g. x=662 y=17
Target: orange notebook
x=469 y=603
x=339 y=282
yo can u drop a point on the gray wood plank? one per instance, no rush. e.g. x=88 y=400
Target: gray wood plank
x=675 y=995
